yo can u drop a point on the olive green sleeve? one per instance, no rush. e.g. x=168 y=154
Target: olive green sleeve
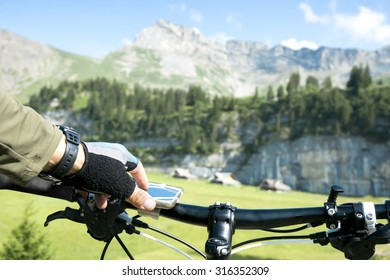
x=27 y=140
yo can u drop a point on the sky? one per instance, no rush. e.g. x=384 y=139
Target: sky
x=97 y=27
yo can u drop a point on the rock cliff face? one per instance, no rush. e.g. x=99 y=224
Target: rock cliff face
x=310 y=164
x=315 y=163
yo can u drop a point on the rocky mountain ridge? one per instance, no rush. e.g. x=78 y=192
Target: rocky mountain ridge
x=169 y=55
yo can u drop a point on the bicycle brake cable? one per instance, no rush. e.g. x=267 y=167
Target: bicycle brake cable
x=132 y=222
x=287 y=230
x=166 y=244
x=242 y=248
x=270 y=238
x=179 y=240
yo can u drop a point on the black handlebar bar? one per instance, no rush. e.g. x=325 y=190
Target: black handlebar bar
x=198 y=215
x=265 y=218
x=40 y=187
x=222 y=220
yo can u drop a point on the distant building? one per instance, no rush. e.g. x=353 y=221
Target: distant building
x=274 y=185
x=224 y=178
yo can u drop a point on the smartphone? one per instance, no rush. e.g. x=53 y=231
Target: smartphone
x=165 y=196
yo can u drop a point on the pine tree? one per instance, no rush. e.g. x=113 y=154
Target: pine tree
x=280 y=92
x=327 y=84
x=366 y=79
x=293 y=83
x=359 y=78
x=26 y=242
x=312 y=84
x=270 y=94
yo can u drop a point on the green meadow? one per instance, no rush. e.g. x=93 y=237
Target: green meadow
x=70 y=241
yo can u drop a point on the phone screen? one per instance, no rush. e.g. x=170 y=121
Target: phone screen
x=165 y=196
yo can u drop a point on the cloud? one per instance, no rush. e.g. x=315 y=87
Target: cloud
x=366 y=25
x=294 y=44
x=310 y=16
x=234 y=20
x=196 y=16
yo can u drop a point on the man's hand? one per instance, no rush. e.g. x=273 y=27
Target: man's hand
x=140 y=198
x=100 y=167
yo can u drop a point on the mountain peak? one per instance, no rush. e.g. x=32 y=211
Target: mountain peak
x=166 y=36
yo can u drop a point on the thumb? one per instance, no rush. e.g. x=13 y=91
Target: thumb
x=142 y=200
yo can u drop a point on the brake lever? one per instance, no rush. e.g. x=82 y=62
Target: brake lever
x=75 y=215
x=381 y=235
x=101 y=224
x=362 y=248
x=69 y=213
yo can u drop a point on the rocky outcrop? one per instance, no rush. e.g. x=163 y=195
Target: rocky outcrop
x=315 y=163
x=309 y=164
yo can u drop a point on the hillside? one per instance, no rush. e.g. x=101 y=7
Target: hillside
x=166 y=55
x=310 y=137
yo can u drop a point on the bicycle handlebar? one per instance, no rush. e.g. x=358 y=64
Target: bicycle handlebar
x=198 y=215
x=222 y=220
x=352 y=236
x=40 y=187
x=251 y=219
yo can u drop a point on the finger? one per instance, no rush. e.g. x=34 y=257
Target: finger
x=140 y=177
x=101 y=201
x=142 y=200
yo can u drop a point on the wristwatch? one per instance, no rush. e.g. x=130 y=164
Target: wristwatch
x=69 y=157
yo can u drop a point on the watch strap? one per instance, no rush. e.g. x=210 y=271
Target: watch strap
x=70 y=155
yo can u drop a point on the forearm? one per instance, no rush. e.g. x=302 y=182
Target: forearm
x=29 y=145
x=27 y=140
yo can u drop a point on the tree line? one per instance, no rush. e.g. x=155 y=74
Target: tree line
x=200 y=121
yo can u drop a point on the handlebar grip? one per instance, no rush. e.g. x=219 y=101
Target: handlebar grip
x=40 y=187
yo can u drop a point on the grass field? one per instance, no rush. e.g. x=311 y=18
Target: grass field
x=70 y=241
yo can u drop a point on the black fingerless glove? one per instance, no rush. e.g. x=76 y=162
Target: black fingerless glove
x=103 y=174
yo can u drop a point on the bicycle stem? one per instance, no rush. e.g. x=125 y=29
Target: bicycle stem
x=221 y=225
